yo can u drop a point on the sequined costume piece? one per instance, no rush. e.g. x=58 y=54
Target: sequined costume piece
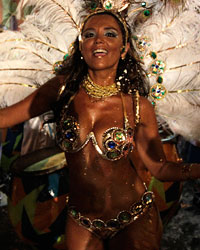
x=117 y=142
x=109 y=228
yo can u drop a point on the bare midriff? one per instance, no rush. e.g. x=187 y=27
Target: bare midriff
x=100 y=188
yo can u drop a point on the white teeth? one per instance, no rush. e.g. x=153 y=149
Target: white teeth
x=100 y=51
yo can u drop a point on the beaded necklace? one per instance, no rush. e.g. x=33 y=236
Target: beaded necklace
x=97 y=91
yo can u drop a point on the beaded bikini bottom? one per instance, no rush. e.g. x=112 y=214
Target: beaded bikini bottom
x=109 y=228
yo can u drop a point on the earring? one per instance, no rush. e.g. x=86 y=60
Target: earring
x=81 y=58
x=123 y=49
x=123 y=57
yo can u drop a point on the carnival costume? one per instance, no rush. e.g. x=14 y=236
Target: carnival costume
x=167 y=40
x=167 y=43
x=117 y=143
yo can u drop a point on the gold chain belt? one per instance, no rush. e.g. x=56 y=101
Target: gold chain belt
x=112 y=226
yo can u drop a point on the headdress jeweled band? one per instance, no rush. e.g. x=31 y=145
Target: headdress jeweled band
x=109 y=7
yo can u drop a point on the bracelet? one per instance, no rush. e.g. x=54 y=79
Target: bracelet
x=186 y=171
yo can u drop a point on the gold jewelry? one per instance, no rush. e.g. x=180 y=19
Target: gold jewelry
x=186 y=171
x=98 y=91
x=110 y=227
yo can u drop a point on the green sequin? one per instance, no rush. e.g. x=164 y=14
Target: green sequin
x=108 y=6
x=119 y=136
x=93 y=6
x=153 y=55
x=67 y=144
x=113 y=155
x=147 y=13
x=98 y=224
x=57 y=66
x=125 y=217
x=65 y=56
x=160 y=79
x=135 y=38
x=73 y=213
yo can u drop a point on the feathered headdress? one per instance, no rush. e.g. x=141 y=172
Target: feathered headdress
x=166 y=36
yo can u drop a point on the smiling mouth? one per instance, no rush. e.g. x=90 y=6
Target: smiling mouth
x=100 y=52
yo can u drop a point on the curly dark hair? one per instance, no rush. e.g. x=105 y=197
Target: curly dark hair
x=129 y=71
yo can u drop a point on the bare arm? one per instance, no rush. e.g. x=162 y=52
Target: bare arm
x=35 y=104
x=151 y=152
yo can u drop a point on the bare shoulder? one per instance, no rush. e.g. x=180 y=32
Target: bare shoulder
x=52 y=87
x=145 y=103
x=148 y=127
x=57 y=80
x=60 y=78
x=146 y=109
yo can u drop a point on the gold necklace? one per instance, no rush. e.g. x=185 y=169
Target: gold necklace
x=98 y=91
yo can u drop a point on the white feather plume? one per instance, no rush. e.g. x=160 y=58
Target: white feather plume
x=28 y=55
x=174 y=35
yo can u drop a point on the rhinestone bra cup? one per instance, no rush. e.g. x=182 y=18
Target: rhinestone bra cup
x=117 y=142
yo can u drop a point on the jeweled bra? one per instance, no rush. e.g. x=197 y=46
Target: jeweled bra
x=117 y=142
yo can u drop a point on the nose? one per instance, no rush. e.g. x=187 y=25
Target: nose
x=99 y=39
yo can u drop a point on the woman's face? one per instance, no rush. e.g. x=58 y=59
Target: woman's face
x=102 y=42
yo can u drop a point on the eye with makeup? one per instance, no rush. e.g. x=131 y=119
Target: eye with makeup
x=111 y=33
x=89 y=34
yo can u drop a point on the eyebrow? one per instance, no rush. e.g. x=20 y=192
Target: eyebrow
x=106 y=28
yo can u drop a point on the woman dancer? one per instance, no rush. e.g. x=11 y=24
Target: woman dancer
x=101 y=121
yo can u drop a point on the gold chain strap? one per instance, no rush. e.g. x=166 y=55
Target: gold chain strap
x=137 y=108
